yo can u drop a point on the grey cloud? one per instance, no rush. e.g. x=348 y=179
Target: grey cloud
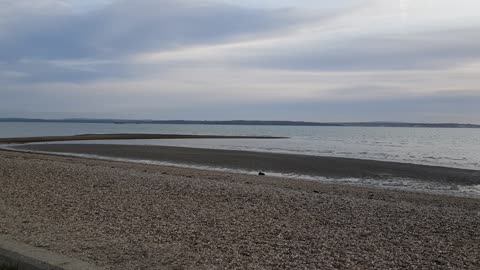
x=431 y=108
x=167 y=24
x=132 y=26
x=79 y=63
x=32 y=41
x=41 y=71
x=430 y=50
x=438 y=107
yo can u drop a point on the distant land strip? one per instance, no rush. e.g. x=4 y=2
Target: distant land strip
x=128 y=136
x=244 y=122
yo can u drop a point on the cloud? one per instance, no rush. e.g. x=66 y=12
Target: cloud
x=172 y=59
x=327 y=51
x=406 y=51
x=108 y=100
x=48 y=40
x=125 y=27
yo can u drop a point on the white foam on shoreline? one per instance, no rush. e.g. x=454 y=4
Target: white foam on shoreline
x=402 y=184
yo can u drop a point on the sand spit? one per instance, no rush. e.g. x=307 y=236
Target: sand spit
x=127 y=136
x=331 y=167
x=133 y=216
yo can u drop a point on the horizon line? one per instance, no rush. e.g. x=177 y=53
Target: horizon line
x=264 y=122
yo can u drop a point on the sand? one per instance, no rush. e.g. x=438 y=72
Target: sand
x=126 y=136
x=133 y=216
x=331 y=167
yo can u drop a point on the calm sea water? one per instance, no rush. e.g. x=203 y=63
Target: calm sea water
x=433 y=146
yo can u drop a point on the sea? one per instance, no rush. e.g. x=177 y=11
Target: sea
x=446 y=147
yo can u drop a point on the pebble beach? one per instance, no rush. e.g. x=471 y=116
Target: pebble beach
x=121 y=215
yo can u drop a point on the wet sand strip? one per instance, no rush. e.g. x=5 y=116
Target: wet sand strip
x=333 y=167
x=126 y=136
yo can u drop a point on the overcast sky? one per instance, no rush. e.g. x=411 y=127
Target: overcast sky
x=314 y=60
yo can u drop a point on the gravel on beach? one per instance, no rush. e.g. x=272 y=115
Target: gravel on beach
x=133 y=216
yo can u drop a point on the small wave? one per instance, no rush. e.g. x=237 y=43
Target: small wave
x=345 y=153
x=456 y=159
x=475 y=190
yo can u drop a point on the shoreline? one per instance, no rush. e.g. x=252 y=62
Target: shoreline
x=121 y=215
x=388 y=184
x=122 y=136
x=279 y=163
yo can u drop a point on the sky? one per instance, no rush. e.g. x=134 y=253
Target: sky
x=307 y=60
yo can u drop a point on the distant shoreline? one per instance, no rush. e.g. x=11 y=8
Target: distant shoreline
x=127 y=136
x=243 y=122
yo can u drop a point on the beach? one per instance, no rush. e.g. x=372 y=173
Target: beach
x=301 y=165
x=122 y=215
x=120 y=136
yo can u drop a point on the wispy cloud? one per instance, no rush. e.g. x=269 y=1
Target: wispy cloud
x=153 y=59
